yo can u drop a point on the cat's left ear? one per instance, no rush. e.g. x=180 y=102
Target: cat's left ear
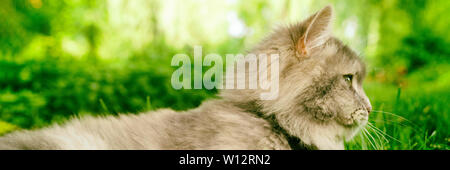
x=318 y=30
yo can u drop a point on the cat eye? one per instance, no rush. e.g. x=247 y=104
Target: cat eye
x=348 y=78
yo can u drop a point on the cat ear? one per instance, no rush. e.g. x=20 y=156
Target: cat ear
x=318 y=30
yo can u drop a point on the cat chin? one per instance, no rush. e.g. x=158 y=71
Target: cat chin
x=332 y=136
x=352 y=132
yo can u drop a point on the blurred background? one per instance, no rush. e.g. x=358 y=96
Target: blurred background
x=60 y=59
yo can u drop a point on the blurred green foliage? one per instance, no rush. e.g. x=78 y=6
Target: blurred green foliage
x=63 y=58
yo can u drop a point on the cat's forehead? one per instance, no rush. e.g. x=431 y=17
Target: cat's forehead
x=342 y=58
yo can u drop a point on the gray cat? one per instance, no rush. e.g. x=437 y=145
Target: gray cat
x=320 y=104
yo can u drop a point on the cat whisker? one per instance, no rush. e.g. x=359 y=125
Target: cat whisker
x=384 y=133
x=363 y=141
x=392 y=122
x=378 y=134
x=393 y=114
x=373 y=127
x=377 y=145
x=365 y=134
x=408 y=123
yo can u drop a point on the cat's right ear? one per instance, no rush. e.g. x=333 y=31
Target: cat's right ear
x=318 y=31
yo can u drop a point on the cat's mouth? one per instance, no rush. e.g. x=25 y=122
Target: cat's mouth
x=357 y=118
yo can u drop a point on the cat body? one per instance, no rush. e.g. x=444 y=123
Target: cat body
x=213 y=125
x=320 y=104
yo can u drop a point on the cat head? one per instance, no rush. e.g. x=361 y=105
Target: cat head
x=321 y=96
x=320 y=99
